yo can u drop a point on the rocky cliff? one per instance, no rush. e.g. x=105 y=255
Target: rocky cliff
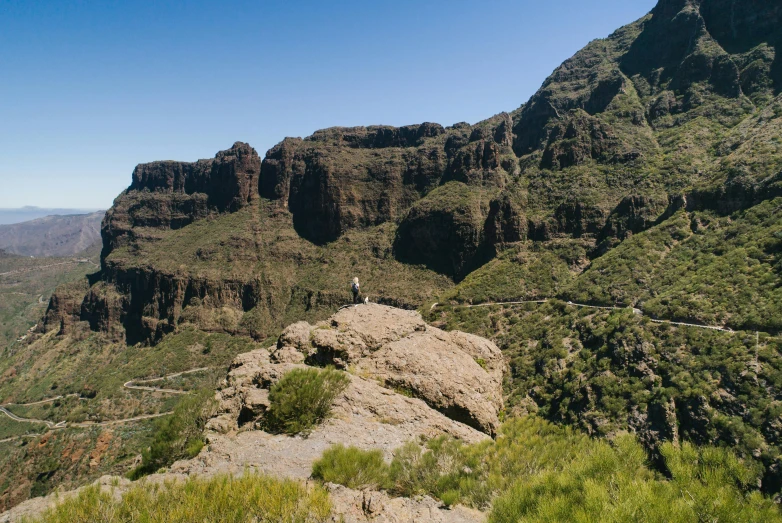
x=174 y=194
x=645 y=172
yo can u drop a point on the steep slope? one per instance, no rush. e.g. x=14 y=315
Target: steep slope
x=645 y=172
x=52 y=235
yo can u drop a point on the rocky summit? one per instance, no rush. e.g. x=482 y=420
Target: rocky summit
x=601 y=264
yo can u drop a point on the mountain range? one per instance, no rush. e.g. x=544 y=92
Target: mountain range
x=52 y=235
x=618 y=236
x=24 y=214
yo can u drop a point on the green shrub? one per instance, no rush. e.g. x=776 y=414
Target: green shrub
x=250 y=497
x=612 y=484
x=352 y=467
x=538 y=471
x=302 y=399
x=178 y=436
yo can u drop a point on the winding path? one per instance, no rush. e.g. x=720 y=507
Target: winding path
x=84 y=424
x=130 y=385
x=48 y=400
x=50 y=424
x=602 y=307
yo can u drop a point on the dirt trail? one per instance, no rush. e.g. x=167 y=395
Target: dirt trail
x=48 y=400
x=49 y=424
x=603 y=307
x=128 y=385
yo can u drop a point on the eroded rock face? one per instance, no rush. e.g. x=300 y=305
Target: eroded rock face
x=633 y=215
x=64 y=307
x=444 y=231
x=366 y=415
x=172 y=194
x=581 y=137
x=340 y=178
x=507 y=220
x=456 y=374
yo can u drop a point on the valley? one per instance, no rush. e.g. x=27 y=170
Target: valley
x=599 y=270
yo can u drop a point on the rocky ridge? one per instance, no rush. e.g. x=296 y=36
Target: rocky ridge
x=603 y=150
x=58 y=236
x=666 y=127
x=455 y=380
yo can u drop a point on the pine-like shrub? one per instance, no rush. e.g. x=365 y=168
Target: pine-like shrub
x=352 y=467
x=249 y=497
x=302 y=399
x=178 y=436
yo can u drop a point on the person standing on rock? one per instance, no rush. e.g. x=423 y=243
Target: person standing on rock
x=355 y=287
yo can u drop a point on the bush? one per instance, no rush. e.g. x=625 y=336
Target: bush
x=612 y=484
x=302 y=399
x=178 y=436
x=352 y=467
x=250 y=497
x=538 y=471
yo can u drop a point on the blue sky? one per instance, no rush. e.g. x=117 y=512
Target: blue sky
x=89 y=89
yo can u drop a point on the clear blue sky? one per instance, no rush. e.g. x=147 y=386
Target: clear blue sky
x=91 y=88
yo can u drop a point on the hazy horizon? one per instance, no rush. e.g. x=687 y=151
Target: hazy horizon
x=96 y=89
x=13 y=215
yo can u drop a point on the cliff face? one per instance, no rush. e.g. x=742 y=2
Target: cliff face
x=644 y=172
x=338 y=179
x=615 y=140
x=170 y=195
x=228 y=180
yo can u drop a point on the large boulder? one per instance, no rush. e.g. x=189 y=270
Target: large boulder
x=457 y=374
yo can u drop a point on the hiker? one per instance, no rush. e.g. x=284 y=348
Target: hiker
x=356 y=291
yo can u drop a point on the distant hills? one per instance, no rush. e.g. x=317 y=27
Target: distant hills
x=52 y=235
x=27 y=213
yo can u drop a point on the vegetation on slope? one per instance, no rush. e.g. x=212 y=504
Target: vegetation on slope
x=96 y=369
x=697 y=267
x=67 y=458
x=537 y=471
x=26 y=284
x=178 y=436
x=302 y=399
x=249 y=497
x=267 y=275
x=606 y=371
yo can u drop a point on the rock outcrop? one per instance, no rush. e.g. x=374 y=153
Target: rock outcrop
x=633 y=215
x=64 y=308
x=170 y=194
x=444 y=230
x=342 y=178
x=408 y=381
x=456 y=374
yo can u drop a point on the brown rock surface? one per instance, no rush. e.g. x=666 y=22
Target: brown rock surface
x=455 y=373
x=172 y=194
x=450 y=371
